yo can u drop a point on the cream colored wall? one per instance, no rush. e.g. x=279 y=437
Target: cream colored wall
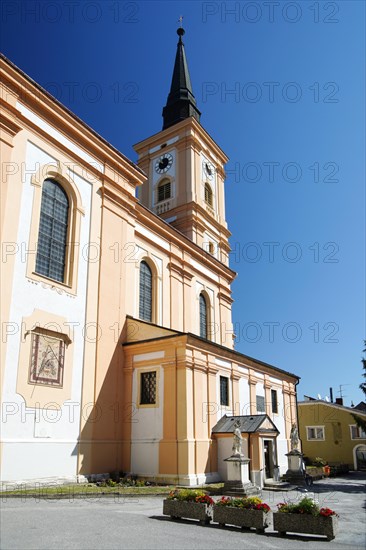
x=34 y=123
x=56 y=309
x=179 y=277
x=191 y=408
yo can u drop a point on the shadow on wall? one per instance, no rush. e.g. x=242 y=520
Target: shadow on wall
x=104 y=443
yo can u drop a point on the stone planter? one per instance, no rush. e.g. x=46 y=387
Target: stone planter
x=241 y=517
x=305 y=523
x=190 y=510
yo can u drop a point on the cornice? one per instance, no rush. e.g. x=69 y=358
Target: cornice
x=185 y=129
x=225 y=298
x=180 y=270
x=170 y=234
x=50 y=109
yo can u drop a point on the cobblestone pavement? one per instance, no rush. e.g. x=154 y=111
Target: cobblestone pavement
x=138 y=523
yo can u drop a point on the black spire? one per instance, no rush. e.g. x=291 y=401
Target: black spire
x=181 y=102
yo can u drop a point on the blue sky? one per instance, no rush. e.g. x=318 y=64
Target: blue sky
x=281 y=88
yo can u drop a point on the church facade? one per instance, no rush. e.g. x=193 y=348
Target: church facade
x=117 y=337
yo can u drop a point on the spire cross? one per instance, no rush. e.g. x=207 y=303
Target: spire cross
x=180 y=21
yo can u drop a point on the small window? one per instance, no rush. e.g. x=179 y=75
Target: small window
x=164 y=191
x=148 y=388
x=52 y=235
x=203 y=317
x=357 y=432
x=260 y=404
x=145 y=292
x=208 y=194
x=224 y=391
x=315 y=432
x=274 y=401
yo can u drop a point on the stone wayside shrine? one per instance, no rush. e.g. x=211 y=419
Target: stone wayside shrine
x=295 y=474
x=238 y=482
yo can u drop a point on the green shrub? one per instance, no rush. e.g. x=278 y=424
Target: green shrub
x=248 y=503
x=305 y=506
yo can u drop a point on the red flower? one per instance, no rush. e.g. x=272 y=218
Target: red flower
x=205 y=499
x=262 y=506
x=326 y=512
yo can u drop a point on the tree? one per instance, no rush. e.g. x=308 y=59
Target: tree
x=363 y=361
x=360 y=421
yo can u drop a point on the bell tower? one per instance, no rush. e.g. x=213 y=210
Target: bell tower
x=185 y=168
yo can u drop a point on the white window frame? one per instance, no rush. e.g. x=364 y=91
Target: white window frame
x=360 y=431
x=315 y=428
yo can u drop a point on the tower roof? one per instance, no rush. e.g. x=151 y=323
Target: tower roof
x=181 y=102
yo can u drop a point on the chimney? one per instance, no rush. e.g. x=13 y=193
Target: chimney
x=339 y=400
x=331 y=394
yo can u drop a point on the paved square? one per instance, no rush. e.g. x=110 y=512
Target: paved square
x=138 y=523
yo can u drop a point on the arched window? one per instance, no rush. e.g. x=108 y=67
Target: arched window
x=145 y=296
x=164 y=190
x=208 y=194
x=203 y=317
x=52 y=235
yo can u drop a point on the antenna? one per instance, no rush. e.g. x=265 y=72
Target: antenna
x=340 y=391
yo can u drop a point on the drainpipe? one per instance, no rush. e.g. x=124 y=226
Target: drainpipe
x=297 y=418
x=176 y=410
x=297 y=409
x=249 y=456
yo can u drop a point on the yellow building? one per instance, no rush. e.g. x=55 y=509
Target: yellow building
x=116 y=311
x=329 y=431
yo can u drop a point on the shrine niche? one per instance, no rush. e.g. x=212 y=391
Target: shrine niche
x=47 y=360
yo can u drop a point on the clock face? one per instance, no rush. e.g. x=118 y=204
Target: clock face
x=208 y=169
x=163 y=163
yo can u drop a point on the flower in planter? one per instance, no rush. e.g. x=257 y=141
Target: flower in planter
x=190 y=495
x=326 y=512
x=248 y=503
x=262 y=506
x=205 y=499
x=224 y=501
x=305 y=506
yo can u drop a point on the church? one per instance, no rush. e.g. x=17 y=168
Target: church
x=117 y=337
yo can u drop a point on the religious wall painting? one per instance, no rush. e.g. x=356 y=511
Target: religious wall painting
x=47 y=360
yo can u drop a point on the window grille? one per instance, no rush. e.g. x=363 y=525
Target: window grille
x=148 y=388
